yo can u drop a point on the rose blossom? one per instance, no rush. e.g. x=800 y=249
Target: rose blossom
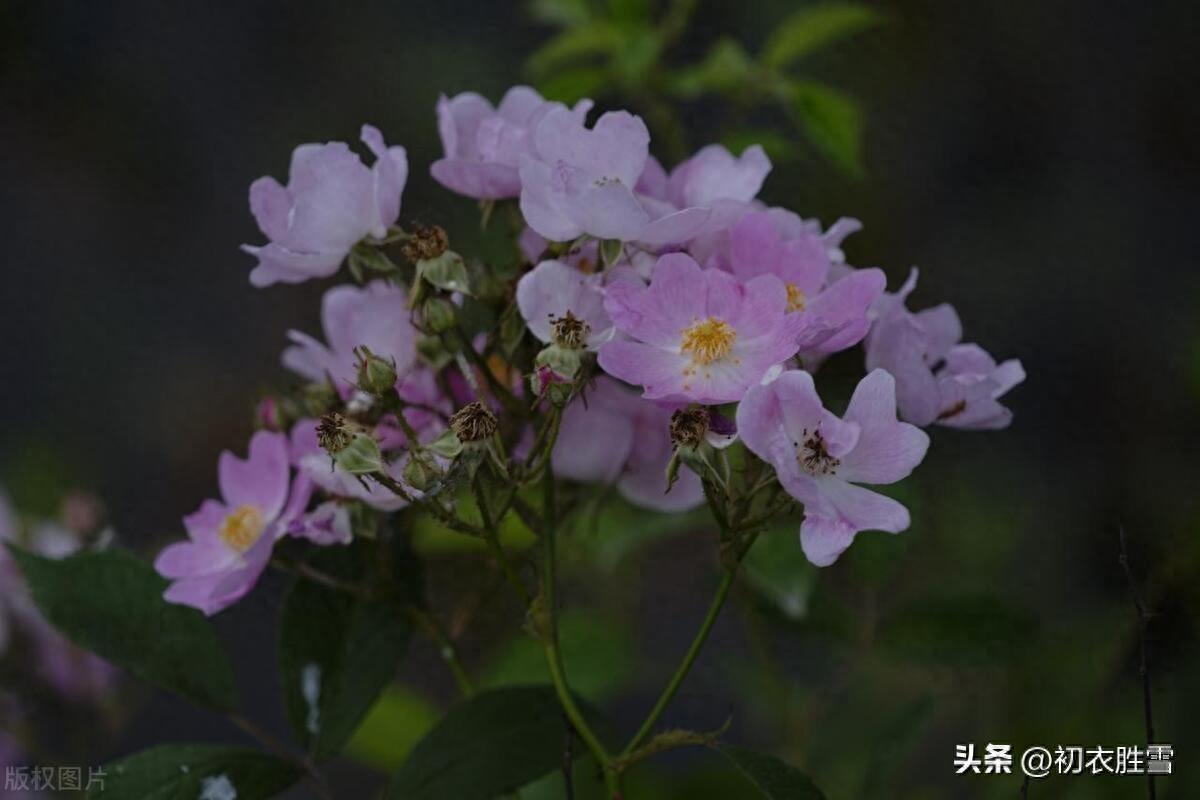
x=483 y=145
x=698 y=335
x=554 y=291
x=618 y=437
x=819 y=458
x=230 y=540
x=331 y=202
x=579 y=181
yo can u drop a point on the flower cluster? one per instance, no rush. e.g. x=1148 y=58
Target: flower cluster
x=654 y=320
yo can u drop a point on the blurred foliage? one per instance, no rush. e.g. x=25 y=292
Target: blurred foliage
x=626 y=50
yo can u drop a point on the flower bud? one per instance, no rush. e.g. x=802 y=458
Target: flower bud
x=563 y=361
x=268 y=415
x=425 y=242
x=376 y=375
x=438 y=314
x=473 y=422
x=569 y=331
x=422 y=471
x=689 y=426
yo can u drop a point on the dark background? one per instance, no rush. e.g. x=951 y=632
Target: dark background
x=1039 y=161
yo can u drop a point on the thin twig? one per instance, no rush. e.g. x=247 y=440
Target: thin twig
x=1143 y=616
x=1025 y=788
x=278 y=748
x=568 y=762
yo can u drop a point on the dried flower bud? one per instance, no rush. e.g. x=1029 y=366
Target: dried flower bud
x=569 y=331
x=376 y=375
x=333 y=433
x=689 y=426
x=473 y=422
x=426 y=242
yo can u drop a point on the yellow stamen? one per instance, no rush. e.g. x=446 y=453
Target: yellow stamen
x=708 y=341
x=242 y=528
x=797 y=300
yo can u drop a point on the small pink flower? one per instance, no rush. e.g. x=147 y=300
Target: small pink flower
x=819 y=458
x=580 y=181
x=937 y=379
x=331 y=202
x=483 y=145
x=552 y=290
x=230 y=540
x=616 y=437
x=779 y=243
x=698 y=335
x=375 y=315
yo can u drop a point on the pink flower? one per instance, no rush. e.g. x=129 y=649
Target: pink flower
x=709 y=178
x=616 y=437
x=779 y=243
x=698 y=335
x=819 y=458
x=938 y=380
x=579 y=181
x=230 y=540
x=375 y=316
x=331 y=202
x=552 y=290
x=317 y=468
x=483 y=145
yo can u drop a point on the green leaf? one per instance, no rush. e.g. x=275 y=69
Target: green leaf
x=959 y=630
x=814 y=27
x=599 y=652
x=777 y=569
x=574 y=45
x=188 y=771
x=725 y=69
x=776 y=779
x=337 y=652
x=394 y=725
x=486 y=746
x=571 y=85
x=561 y=12
x=111 y=603
x=832 y=121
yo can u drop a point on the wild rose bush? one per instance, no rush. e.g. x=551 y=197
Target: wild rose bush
x=655 y=332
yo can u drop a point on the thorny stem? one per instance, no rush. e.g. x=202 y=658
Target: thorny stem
x=492 y=536
x=685 y=666
x=550 y=646
x=432 y=506
x=1143 y=617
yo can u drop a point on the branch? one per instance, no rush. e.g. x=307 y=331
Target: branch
x=1143 y=618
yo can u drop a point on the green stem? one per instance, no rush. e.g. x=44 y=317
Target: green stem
x=550 y=646
x=445 y=648
x=492 y=536
x=664 y=700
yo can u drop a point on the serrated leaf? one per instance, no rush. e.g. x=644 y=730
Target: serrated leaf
x=574 y=45
x=488 y=745
x=111 y=603
x=831 y=120
x=190 y=771
x=814 y=27
x=337 y=652
x=776 y=779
